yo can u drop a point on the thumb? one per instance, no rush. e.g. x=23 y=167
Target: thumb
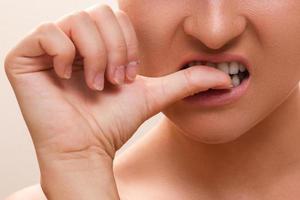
x=166 y=90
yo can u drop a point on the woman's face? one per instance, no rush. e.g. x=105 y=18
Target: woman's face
x=265 y=32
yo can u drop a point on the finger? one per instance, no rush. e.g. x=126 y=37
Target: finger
x=131 y=42
x=49 y=40
x=89 y=43
x=181 y=84
x=114 y=41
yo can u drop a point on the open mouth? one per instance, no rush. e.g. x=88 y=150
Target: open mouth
x=237 y=71
x=239 y=74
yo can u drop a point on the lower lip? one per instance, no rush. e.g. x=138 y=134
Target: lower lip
x=213 y=98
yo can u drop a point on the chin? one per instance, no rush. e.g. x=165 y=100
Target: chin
x=209 y=133
x=214 y=138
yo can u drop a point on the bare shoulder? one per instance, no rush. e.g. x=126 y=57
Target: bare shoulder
x=29 y=193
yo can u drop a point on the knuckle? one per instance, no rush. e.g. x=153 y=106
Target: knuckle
x=67 y=50
x=7 y=63
x=163 y=84
x=132 y=46
x=45 y=30
x=121 y=14
x=71 y=48
x=189 y=84
x=105 y=7
x=80 y=15
x=99 y=11
x=46 y=27
x=97 y=54
x=120 y=47
x=11 y=64
x=118 y=54
x=150 y=99
x=132 y=50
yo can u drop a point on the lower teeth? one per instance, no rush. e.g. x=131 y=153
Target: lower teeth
x=237 y=79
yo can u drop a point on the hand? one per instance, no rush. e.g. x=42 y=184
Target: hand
x=75 y=124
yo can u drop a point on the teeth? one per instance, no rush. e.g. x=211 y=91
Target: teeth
x=198 y=63
x=211 y=64
x=194 y=63
x=223 y=67
x=233 y=68
x=191 y=64
x=235 y=80
x=242 y=68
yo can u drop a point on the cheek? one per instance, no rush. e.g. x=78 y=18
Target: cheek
x=210 y=126
x=156 y=24
x=276 y=61
x=278 y=29
x=277 y=69
x=276 y=73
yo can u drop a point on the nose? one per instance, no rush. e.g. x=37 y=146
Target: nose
x=215 y=24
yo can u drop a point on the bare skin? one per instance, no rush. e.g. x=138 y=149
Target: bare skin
x=75 y=122
x=242 y=169
x=255 y=155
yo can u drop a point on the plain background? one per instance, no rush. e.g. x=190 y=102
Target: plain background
x=18 y=165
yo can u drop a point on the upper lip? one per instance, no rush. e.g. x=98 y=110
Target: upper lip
x=218 y=59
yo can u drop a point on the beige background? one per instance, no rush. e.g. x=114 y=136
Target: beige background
x=18 y=166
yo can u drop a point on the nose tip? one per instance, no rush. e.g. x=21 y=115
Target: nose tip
x=214 y=30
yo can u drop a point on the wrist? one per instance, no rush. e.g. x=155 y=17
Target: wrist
x=78 y=178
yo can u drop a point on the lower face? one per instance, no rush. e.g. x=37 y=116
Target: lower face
x=266 y=34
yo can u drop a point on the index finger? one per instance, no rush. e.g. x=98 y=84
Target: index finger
x=131 y=42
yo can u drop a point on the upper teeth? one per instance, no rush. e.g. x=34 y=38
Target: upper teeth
x=230 y=68
x=227 y=67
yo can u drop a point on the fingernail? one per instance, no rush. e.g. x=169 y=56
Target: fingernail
x=131 y=70
x=119 y=74
x=99 y=81
x=68 y=72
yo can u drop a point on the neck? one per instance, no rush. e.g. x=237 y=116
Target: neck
x=268 y=150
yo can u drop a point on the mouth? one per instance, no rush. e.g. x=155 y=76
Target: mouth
x=239 y=71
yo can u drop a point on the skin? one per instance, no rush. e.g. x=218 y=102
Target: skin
x=244 y=150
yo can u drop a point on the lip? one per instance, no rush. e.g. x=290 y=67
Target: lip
x=226 y=96
x=225 y=57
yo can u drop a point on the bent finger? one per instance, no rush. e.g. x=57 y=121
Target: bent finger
x=132 y=44
x=166 y=90
x=49 y=40
x=88 y=41
x=114 y=41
